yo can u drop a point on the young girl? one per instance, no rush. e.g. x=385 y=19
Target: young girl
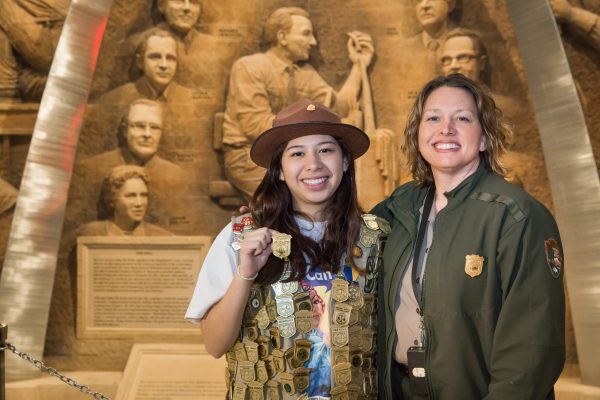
x=287 y=291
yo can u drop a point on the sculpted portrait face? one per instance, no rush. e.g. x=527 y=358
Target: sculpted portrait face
x=299 y=40
x=181 y=15
x=144 y=129
x=130 y=202
x=433 y=13
x=459 y=55
x=159 y=61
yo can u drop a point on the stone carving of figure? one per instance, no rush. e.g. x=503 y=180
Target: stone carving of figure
x=139 y=137
x=408 y=63
x=261 y=84
x=157 y=59
x=465 y=53
x=201 y=56
x=124 y=196
x=8 y=198
x=584 y=23
x=29 y=32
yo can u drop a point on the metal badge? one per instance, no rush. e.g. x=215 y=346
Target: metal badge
x=240 y=352
x=278 y=360
x=270 y=367
x=301 y=379
x=356 y=296
x=251 y=351
x=256 y=391
x=262 y=347
x=339 y=336
x=554 y=259
x=342 y=374
x=304 y=320
x=251 y=329
x=247 y=372
x=287 y=326
x=369 y=303
x=275 y=335
x=368 y=340
x=239 y=391
x=287 y=383
x=370 y=221
x=339 y=393
x=285 y=305
x=262 y=318
x=289 y=287
x=341 y=314
x=262 y=375
x=302 y=302
x=272 y=311
x=302 y=350
x=339 y=289
x=340 y=355
x=356 y=359
x=354 y=314
x=273 y=390
x=368 y=237
x=354 y=337
x=292 y=361
x=231 y=361
x=282 y=245
x=473 y=265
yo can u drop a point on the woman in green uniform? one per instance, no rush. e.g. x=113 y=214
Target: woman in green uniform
x=471 y=294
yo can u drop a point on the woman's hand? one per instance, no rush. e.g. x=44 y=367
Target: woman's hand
x=255 y=249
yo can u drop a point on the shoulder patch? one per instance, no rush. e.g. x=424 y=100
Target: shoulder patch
x=513 y=208
x=554 y=258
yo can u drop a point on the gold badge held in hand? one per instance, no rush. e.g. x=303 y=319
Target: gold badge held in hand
x=282 y=245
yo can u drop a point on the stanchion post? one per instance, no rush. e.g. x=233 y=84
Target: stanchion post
x=3 y=335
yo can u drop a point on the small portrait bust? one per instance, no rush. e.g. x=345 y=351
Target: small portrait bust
x=124 y=202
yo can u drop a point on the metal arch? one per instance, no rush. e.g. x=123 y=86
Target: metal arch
x=571 y=169
x=30 y=263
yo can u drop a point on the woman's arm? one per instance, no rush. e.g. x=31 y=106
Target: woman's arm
x=221 y=324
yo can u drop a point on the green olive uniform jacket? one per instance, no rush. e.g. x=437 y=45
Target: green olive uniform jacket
x=494 y=330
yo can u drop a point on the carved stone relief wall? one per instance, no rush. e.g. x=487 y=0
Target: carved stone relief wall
x=182 y=88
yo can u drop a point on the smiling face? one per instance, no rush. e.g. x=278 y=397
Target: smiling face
x=450 y=134
x=159 y=61
x=181 y=15
x=432 y=14
x=144 y=129
x=299 y=40
x=312 y=168
x=130 y=203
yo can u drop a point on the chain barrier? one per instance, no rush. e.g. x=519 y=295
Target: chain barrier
x=54 y=372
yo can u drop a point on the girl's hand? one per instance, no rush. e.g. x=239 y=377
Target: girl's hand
x=255 y=249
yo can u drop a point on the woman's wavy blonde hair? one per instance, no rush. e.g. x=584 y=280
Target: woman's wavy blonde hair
x=495 y=129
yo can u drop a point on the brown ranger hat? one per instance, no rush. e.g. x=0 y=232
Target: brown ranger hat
x=306 y=117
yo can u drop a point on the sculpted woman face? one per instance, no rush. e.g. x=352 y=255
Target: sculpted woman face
x=130 y=202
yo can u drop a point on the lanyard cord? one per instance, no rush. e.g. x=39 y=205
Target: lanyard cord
x=419 y=245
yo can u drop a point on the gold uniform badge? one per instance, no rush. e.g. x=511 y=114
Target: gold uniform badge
x=473 y=265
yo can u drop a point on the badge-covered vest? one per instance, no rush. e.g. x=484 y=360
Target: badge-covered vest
x=307 y=340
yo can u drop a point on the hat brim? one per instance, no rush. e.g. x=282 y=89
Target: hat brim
x=265 y=145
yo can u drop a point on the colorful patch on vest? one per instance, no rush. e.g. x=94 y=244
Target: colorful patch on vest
x=554 y=259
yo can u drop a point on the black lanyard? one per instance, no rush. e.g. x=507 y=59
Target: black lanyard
x=419 y=245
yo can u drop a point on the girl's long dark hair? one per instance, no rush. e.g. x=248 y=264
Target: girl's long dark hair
x=272 y=207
